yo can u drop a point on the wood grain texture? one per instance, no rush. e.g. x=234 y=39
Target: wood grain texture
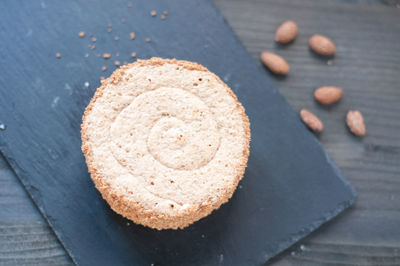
x=25 y=238
x=366 y=66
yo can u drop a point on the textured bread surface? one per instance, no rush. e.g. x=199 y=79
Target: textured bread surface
x=166 y=142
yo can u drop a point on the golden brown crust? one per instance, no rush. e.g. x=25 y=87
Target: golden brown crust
x=133 y=210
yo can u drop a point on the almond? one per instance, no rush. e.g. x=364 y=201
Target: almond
x=286 y=32
x=328 y=94
x=322 y=45
x=355 y=122
x=311 y=120
x=275 y=63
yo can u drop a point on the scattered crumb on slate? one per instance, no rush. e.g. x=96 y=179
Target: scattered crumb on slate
x=123 y=20
x=81 y=34
x=148 y=39
x=130 y=5
x=153 y=13
x=116 y=38
x=165 y=12
x=94 y=39
x=117 y=63
x=103 y=68
x=93 y=47
x=86 y=55
x=133 y=54
x=132 y=35
x=106 y=55
x=128 y=224
x=163 y=17
x=58 y=55
x=109 y=30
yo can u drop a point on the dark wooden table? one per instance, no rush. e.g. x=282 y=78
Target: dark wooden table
x=367 y=66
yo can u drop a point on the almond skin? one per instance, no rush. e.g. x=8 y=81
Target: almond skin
x=275 y=63
x=355 y=122
x=322 y=45
x=328 y=94
x=286 y=32
x=311 y=120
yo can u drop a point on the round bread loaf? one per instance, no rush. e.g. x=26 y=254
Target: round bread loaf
x=166 y=142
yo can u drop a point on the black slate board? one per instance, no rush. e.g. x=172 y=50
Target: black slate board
x=290 y=186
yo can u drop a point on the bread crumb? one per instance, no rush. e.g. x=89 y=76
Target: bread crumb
x=86 y=55
x=94 y=39
x=92 y=47
x=58 y=55
x=132 y=35
x=148 y=39
x=163 y=17
x=133 y=54
x=106 y=55
x=109 y=30
x=130 y=5
x=117 y=63
x=116 y=38
x=103 y=68
x=123 y=20
x=128 y=224
x=153 y=13
x=81 y=34
x=165 y=12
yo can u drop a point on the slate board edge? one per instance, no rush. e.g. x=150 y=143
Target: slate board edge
x=261 y=69
x=325 y=217
x=14 y=169
x=329 y=215
x=287 y=243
